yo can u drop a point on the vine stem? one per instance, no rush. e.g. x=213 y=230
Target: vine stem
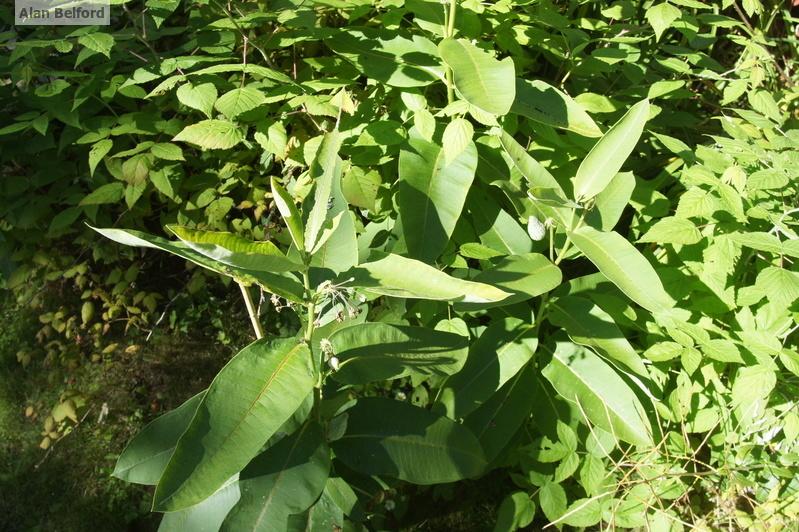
x=256 y=324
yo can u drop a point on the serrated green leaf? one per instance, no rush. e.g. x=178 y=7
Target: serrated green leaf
x=211 y=135
x=661 y=17
x=200 y=97
x=516 y=511
x=457 y=136
x=552 y=499
x=167 y=151
x=99 y=150
x=394 y=58
x=238 y=101
x=98 y=42
x=109 y=193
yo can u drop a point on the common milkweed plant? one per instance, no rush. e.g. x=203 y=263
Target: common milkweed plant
x=448 y=295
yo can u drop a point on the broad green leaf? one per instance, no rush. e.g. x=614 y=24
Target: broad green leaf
x=431 y=194
x=516 y=511
x=211 y=135
x=380 y=351
x=750 y=393
x=394 y=58
x=672 y=230
x=481 y=80
x=624 y=266
x=336 y=248
x=523 y=276
x=283 y=285
x=110 y=193
x=781 y=286
x=611 y=202
x=552 y=499
x=160 y=180
x=767 y=242
x=291 y=215
x=167 y=151
x=457 y=137
x=538 y=178
x=583 y=513
x=238 y=101
x=540 y=101
x=425 y=124
x=98 y=42
x=234 y=250
x=206 y=516
x=398 y=276
x=360 y=187
x=589 y=325
x=609 y=153
x=581 y=377
x=146 y=455
x=250 y=398
x=136 y=169
x=661 y=16
x=325 y=169
x=496 y=421
x=283 y=480
x=327 y=513
x=99 y=150
x=200 y=97
x=495 y=227
x=495 y=358
x=416 y=445
x=258 y=71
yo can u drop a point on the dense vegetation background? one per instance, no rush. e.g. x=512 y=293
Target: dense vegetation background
x=181 y=112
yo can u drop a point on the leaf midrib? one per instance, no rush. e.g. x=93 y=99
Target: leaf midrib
x=289 y=355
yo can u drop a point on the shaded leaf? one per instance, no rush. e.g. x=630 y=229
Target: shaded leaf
x=146 y=455
x=582 y=377
x=417 y=446
x=250 y=398
x=380 y=351
x=540 y=101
